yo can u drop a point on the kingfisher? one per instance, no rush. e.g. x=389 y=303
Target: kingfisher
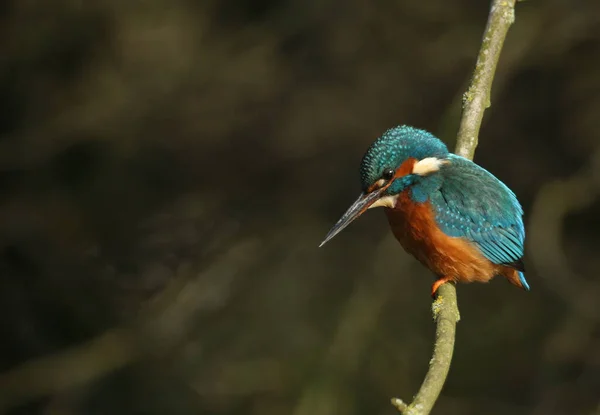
x=452 y=215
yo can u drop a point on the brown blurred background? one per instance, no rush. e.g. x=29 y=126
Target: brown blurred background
x=168 y=168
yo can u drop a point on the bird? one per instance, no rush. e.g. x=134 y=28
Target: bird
x=452 y=215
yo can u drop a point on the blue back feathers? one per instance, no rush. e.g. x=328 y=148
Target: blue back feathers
x=473 y=204
x=396 y=145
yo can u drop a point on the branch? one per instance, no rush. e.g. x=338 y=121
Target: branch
x=446 y=315
x=478 y=95
x=475 y=102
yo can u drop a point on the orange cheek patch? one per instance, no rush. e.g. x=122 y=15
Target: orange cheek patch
x=405 y=168
x=377 y=185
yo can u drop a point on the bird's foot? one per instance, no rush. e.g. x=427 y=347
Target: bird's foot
x=438 y=284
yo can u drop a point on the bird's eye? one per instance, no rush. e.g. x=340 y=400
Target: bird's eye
x=388 y=174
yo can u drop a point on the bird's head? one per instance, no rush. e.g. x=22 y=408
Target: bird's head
x=401 y=158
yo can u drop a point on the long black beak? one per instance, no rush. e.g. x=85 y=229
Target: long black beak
x=358 y=208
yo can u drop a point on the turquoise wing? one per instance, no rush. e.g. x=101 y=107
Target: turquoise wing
x=472 y=203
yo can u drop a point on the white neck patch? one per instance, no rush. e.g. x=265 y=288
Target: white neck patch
x=386 y=201
x=428 y=165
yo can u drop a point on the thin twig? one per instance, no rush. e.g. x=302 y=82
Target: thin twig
x=475 y=102
x=446 y=315
x=478 y=95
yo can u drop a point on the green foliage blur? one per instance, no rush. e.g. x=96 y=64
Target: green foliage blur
x=168 y=169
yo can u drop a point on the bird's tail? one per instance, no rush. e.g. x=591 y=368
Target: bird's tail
x=523 y=281
x=517 y=278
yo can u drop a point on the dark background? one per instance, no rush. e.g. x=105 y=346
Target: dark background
x=168 y=168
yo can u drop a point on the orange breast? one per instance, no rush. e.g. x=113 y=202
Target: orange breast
x=415 y=228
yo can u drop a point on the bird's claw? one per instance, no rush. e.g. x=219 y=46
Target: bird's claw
x=437 y=284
